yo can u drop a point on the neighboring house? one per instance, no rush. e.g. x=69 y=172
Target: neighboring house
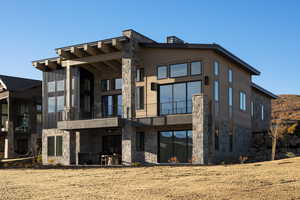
x=20 y=116
x=149 y=102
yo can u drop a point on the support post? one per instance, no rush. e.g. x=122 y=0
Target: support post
x=201 y=133
x=68 y=111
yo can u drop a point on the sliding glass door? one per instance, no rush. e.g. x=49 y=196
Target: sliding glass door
x=175 y=146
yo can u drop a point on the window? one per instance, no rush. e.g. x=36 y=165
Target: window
x=243 y=101
x=262 y=112
x=55 y=145
x=3 y=114
x=118 y=83
x=51 y=146
x=230 y=76
x=140 y=141
x=105 y=85
x=230 y=96
x=252 y=109
x=175 y=145
x=162 y=72
x=230 y=142
x=196 y=68
x=51 y=104
x=140 y=75
x=39 y=108
x=217 y=139
x=216 y=90
x=51 y=86
x=216 y=68
x=60 y=85
x=177 y=98
x=58 y=145
x=139 y=98
x=178 y=70
x=112 y=105
x=60 y=103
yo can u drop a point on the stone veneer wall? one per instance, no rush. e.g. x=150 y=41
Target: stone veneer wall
x=68 y=156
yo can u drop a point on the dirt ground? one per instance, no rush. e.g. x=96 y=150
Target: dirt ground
x=267 y=180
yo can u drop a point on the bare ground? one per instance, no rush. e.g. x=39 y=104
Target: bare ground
x=268 y=180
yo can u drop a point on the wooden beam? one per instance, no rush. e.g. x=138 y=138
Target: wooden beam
x=78 y=52
x=92 y=59
x=65 y=54
x=106 y=48
x=51 y=64
x=117 y=44
x=91 y=50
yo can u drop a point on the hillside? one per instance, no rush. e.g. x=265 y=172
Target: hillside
x=287 y=106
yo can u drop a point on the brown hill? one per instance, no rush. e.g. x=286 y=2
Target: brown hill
x=286 y=107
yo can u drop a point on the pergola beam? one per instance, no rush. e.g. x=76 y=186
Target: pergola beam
x=78 y=52
x=91 y=50
x=65 y=54
x=92 y=59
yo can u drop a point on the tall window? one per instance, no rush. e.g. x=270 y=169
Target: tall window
x=112 y=105
x=51 y=86
x=139 y=74
x=178 y=70
x=56 y=99
x=230 y=76
x=139 y=98
x=55 y=145
x=60 y=85
x=105 y=86
x=60 y=103
x=216 y=139
x=51 y=105
x=3 y=114
x=252 y=109
x=140 y=141
x=230 y=96
x=243 y=101
x=216 y=68
x=177 y=98
x=216 y=90
x=262 y=112
x=175 y=146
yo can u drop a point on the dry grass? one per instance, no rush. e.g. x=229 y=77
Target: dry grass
x=268 y=180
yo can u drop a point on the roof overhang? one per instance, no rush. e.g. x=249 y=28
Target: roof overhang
x=215 y=47
x=264 y=91
x=98 y=56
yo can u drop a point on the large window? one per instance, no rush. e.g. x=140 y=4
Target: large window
x=51 y=86
x=60 y=103
x=55 y=145
x=177 y=98
x=105 y=86
x=60 y=85
x=178 y=70
x=175 y=146
x=243 y=101
x=51 y=105
x=112 y=105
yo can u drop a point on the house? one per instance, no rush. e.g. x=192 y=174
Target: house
x=20 y=116
x=149 y=102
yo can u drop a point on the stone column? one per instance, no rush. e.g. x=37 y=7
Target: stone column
x=128 y=101
x=77 y=150
x=68 y=111
x=200 y=130
x=9 y=150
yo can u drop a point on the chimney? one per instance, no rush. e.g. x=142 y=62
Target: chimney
x=174 y=40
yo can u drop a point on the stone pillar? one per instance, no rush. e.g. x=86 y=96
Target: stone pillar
x=68 y=111
x=129 y=62
x=9 y=150
x=77 y=150
x=200 y=130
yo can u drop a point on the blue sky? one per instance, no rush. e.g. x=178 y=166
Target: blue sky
x=266 y=34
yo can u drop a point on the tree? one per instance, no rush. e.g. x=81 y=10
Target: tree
x=277 y=129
